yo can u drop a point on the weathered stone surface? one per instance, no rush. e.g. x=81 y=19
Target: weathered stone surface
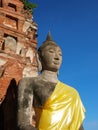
x=18 y=44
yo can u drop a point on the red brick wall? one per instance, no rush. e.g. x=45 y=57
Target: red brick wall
x=13 y=62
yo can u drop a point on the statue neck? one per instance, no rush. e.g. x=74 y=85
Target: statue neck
x=49 y=76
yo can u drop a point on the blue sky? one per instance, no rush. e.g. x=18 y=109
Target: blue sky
x=74 y=26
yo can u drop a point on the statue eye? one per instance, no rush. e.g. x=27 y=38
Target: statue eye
x=51 y=51
x=60 y=54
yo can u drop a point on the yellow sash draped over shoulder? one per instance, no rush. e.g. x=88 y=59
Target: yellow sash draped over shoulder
x=63 y=110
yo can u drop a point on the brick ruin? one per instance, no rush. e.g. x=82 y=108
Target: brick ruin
x=18 y=44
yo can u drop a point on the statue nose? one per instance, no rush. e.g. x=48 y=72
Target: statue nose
x=56 y=58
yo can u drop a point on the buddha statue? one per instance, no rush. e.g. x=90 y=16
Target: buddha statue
x=57 y=105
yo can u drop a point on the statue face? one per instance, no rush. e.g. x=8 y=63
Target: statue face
x=51 y=58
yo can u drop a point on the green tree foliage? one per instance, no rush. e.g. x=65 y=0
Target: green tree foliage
x=29 y=6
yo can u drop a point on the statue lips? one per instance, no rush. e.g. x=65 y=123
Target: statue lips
x=56 y=62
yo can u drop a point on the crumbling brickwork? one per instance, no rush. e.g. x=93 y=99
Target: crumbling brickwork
x=18 y=43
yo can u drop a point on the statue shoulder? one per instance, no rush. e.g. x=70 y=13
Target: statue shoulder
x=69 y=89
x=25 y=81
x=28 y=81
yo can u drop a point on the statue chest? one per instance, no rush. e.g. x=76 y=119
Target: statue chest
x=42 y=92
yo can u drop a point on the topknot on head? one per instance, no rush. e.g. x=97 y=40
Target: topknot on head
x=48 y=38
x=47 y=42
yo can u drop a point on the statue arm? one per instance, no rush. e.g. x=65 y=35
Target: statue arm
x=25 y=99
x=81 y=128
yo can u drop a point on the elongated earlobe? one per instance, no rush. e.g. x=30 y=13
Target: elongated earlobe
x=39 y=63
x=58 y=73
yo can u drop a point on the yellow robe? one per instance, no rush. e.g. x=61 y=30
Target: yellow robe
x=63 y=110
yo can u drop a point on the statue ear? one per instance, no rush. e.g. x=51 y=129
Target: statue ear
x=58 y=73
x=39 y=63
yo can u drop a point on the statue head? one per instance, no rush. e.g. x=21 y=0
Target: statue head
x=50 y=55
